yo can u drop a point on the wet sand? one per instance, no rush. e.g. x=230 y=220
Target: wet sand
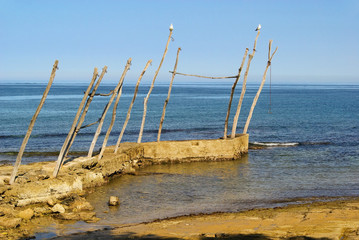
x=321 y=220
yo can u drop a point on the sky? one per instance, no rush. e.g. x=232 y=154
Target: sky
x=318 y=40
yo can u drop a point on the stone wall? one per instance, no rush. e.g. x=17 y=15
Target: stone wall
x=196 y=150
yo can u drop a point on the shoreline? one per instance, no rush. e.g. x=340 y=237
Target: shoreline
x=321 y=220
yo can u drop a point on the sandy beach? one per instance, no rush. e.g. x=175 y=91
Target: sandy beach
x=321 y=220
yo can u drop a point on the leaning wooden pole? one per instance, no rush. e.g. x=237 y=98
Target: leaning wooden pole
x=129 y=109
x=111 y=125
x=232 y=93
x=32 y=123
x=260 y=87
x=236 y=116
x=74 y=123
x=102 y=119
x=168 y=97
x=84 y=112
x=151 y=87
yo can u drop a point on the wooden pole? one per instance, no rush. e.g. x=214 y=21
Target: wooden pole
x=84 y=112
x=130 y=108
x=168 y=98
x=111 y=125
x=115 y=92
x=194 y=75
x=150 y=90
x=232 y=93
x=260 y=87
x=32 y=123
x=74 y=123
x=236 y=116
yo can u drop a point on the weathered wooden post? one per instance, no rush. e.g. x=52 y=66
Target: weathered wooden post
x=102 y=119
x=151 y=87
x=84 y=112
x=74 y=123
x=232 y=93
x=235 y=120
x=111 y=125
x=129 y=111
x=32 y=123
x=168 y=97
x=260 y=87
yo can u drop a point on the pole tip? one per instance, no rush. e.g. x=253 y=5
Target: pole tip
x=171 y=27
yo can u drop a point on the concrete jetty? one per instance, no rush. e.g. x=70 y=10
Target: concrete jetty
x=35 y=183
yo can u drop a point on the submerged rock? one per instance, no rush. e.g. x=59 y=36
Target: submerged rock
x=39 y=211
x=81 y=204
x=87 y=216
x=7 y=210
x=26 y=214
x=69 y=216
x=10 y=222
x=113 y=201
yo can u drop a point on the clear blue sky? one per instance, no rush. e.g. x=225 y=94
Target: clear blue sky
x=318 y=40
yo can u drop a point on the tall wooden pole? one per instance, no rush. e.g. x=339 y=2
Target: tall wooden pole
x=111 y=125
x=32 y=123
x=114 y=94
x=152 y=84
x=236 y=116
x=130 y=108
x=74 y=123
x=168 y=97
x=232 y=93
x=84 y=112
x=260 y=87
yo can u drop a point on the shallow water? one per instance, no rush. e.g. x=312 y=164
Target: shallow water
x=262 y=178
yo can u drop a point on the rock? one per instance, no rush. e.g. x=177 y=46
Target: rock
x=114 y=201
x=87 y=216
x=3 y=181
x=70 y=216
x=9 y=222
x=21 y=180
x=42 y=211
x=26 y=214
x=3 y=189
x=7 y=210
x=43 y=177
x=58 y=208
x=220 y=235
x=81 y=205
x=51 y=202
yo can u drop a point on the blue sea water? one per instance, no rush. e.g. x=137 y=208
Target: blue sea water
x=312 y=135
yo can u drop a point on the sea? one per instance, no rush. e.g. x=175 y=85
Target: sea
x=304 y=146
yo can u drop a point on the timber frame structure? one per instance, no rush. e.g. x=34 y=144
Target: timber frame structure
x=115 y=95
